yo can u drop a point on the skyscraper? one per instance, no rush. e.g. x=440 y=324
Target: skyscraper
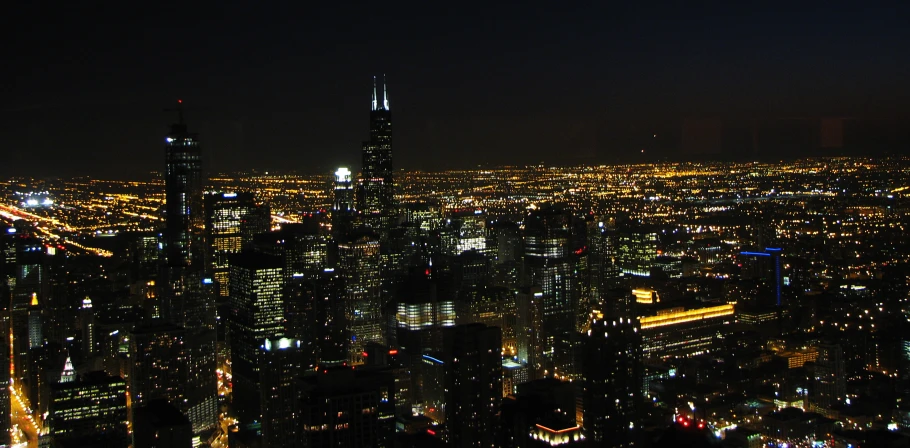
x=90 y=410
x=551 y=265
x=184 y=227
x=231 y=221
x=360 y=265
x=378 y=183
x=257 y=314
x=612 y=372
x=185 y=303
x=830 y=381
x=343 y=208
x=281 y=363
x=158 y=364
x=473 y=383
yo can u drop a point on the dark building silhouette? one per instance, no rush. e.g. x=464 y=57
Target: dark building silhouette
x=830 y=380
x=343 y=207
x=315 y=313
x=158 y=363
x=158 y=424
x=378 y=183
x=765 y=266
x=473 y=383
x=340 y=406
x=281 y=363
x=184 y=250
x=5 y=404
x=613 y=372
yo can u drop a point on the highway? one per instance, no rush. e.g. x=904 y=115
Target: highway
x=23 y=420
x=47 y=227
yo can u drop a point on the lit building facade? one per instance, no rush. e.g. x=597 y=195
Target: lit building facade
x=231 y=221
x=360 y=264
x=550 y=264
x=680 y=332
x=257 y=314
x=90 y=409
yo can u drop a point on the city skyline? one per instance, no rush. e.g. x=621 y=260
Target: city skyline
x=598 y=226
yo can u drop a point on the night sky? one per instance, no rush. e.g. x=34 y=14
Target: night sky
x=288 y=86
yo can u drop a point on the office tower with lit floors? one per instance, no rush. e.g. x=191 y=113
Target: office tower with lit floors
x=612 y=372
x=231 y=221
x=360 y=264
x=377 y=185
x=257 y=314
x=89 y=410
x=549 y=264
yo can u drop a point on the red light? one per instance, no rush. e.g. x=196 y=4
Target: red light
x=393 y=352
x=428 y=271
x=686 y=424
x=681 y=419
x=365 y=354
x=179 y=101
x=431 y=432
x=701 y=425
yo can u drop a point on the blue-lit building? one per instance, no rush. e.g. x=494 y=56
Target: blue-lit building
x=765 y=265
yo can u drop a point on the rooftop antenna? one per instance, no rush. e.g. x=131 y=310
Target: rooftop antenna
x=385 y=94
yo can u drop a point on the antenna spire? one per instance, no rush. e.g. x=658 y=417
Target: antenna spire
x=375 y=101
x=385 y=94
x=180 y=112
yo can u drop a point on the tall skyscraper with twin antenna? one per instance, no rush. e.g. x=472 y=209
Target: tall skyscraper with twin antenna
x=377 y=195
